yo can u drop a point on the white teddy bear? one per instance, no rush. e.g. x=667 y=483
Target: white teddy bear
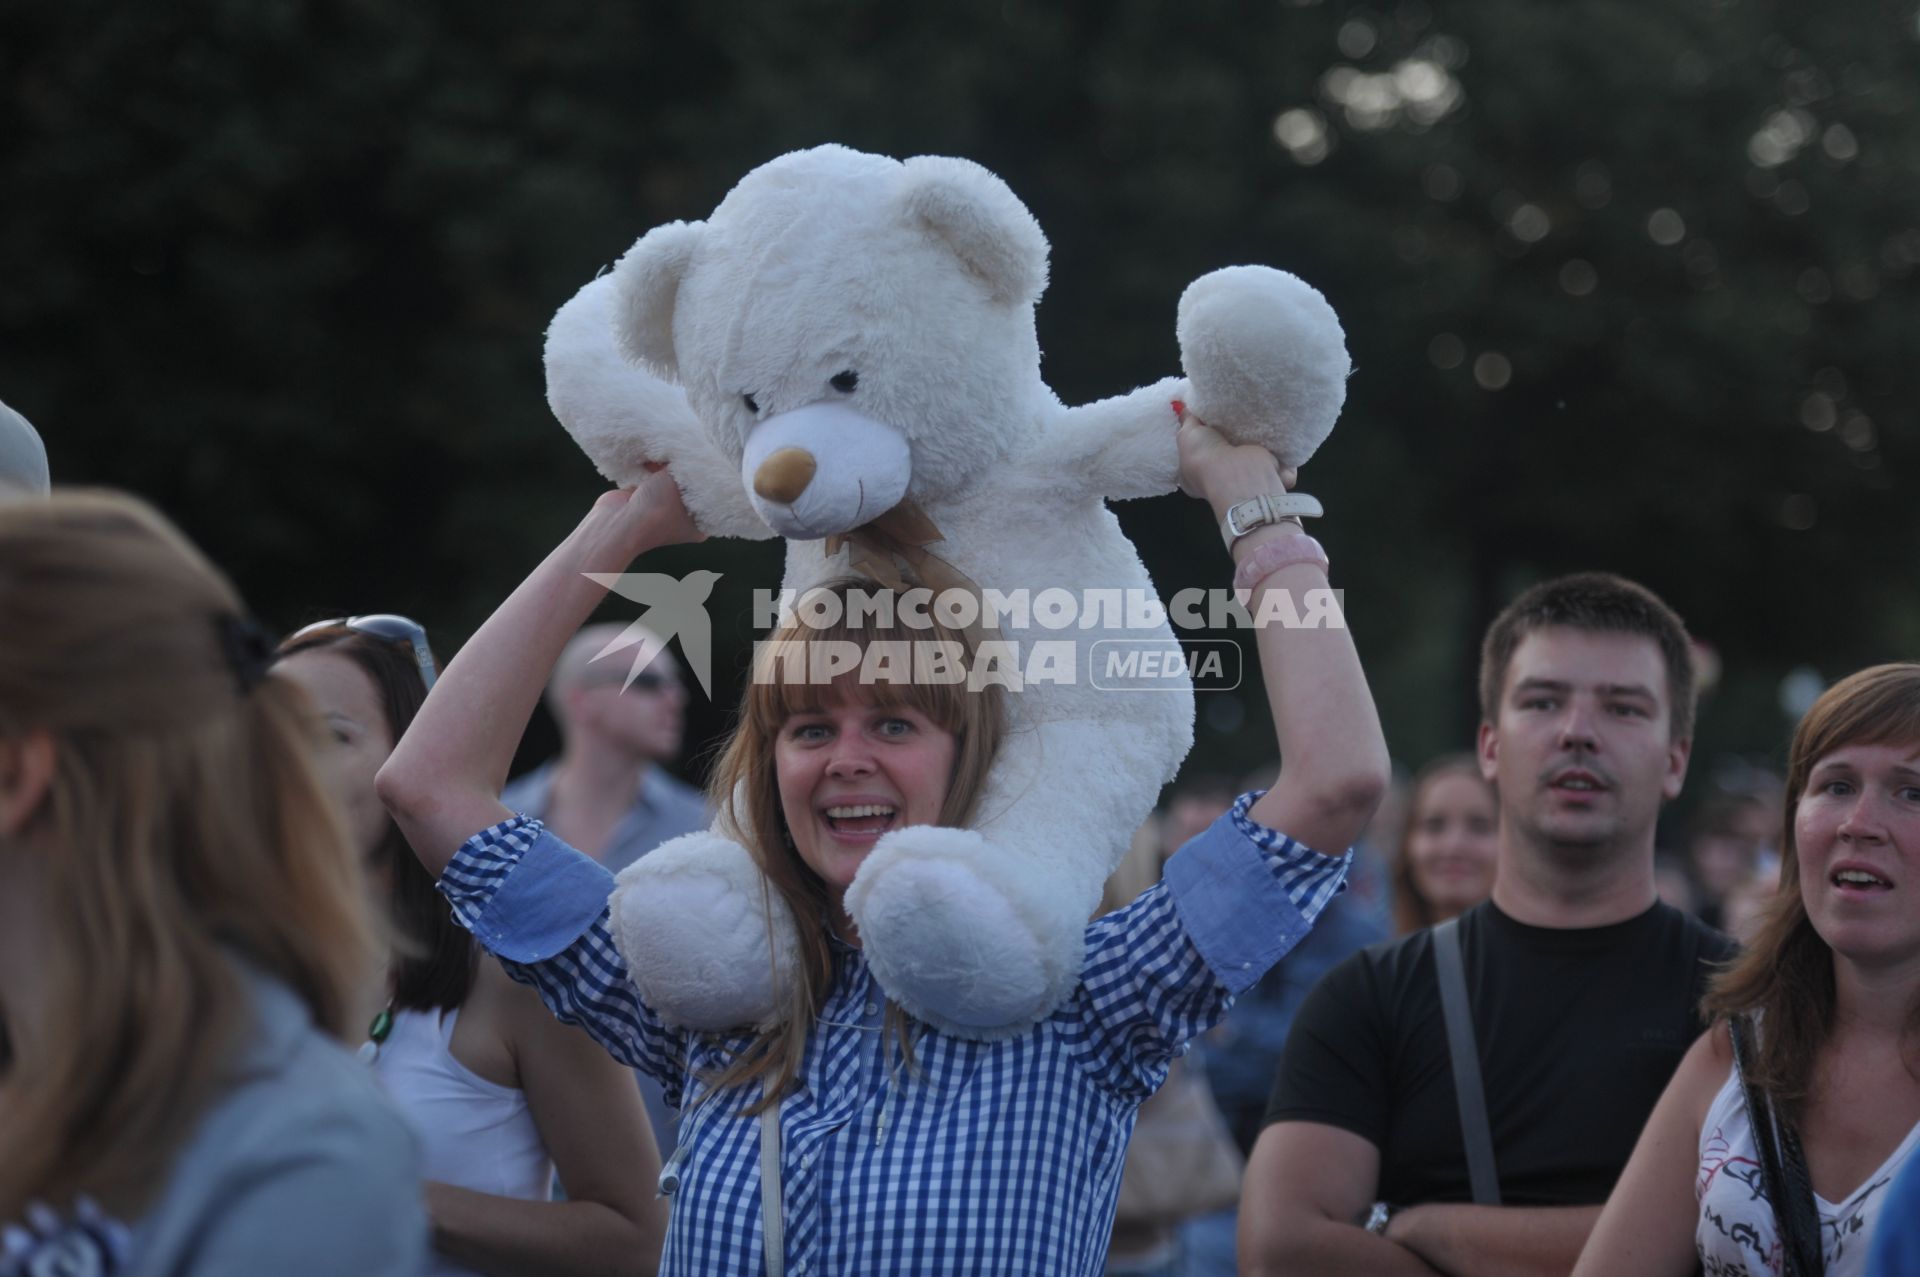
x=849 y=331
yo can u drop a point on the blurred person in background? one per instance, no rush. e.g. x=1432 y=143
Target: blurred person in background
x=185 y=931
x=1240 y=1054
x=1448 y=845
x=1744 y=907
x=1672 y=882
x=1730 y=841
x=23 y=457
x=499 y=1093
x=1817 y=1026
x=1181 y=1161
x=609 y=793
x=1192 y=807
x=1445 y=834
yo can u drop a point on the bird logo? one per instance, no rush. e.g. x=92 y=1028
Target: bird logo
x=675 y=606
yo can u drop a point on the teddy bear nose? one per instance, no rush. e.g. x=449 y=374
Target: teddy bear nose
x=784 y=475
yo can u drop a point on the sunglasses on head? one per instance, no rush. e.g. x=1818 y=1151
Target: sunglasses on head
x=389 y=626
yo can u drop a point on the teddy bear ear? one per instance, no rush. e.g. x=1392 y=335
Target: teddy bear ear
x=983 y=222
x=648 y=279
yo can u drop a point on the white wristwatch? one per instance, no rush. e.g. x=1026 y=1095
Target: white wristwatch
x=1256 y=512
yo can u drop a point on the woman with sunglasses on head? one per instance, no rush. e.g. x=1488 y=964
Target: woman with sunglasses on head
x=847 y=1139
x=1818 y=1025
x=184 y=932
x=498 y=1091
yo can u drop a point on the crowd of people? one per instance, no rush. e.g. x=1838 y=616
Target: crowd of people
x=293 y=979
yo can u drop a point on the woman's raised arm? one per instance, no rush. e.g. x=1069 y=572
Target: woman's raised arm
x=1334 y=758
x=443 y=781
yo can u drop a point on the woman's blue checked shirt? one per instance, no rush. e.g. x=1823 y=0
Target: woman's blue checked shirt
x=986 y=1157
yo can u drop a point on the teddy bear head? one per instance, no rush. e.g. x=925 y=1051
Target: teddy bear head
x=850 y=329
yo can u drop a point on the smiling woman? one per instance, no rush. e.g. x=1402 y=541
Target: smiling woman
x=825 y=770
x=841 y=1134
x=1448 y=848
x=1829 y=991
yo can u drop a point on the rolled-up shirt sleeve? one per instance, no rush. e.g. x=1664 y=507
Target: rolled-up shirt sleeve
x=522 y=892
x=1218 y=889
x=1165 y=968
x=540 y=906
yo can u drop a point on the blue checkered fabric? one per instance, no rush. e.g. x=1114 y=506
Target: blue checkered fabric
x=984 y=1157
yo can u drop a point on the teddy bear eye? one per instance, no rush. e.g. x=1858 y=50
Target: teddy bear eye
x=844 y=382
x=752 y=405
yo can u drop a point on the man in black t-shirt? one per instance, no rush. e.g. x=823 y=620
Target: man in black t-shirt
x=1583 y=986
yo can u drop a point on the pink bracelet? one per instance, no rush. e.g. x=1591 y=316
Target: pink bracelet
x=1279 y=552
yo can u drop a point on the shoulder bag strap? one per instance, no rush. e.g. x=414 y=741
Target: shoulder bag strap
x=1799 y=1185
x=773 y=1230
x=1785 y=1179
x=1467 y=1089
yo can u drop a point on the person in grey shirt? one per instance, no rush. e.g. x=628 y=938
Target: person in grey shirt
x=186 y=933
x=23 y=457
x=301 y=1145
x=608 y=793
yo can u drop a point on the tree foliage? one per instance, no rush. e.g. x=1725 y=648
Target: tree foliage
x=1627 y=285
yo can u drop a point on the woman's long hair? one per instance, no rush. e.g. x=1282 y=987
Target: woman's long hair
x=745 y=790
x=185 y=824
x=1786 y=974
x=433 y=966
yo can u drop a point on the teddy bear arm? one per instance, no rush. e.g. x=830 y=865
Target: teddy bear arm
x=625 y=418
x=709 y=481
x=1117 y=448
x=1075 y=789
x=710 y=486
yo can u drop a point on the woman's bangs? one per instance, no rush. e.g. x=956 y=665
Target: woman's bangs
x=1877 y=706
x=791 y=674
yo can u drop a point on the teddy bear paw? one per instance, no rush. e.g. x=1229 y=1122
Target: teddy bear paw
x=1267 y=359
x=962 y=935
x=691 y=918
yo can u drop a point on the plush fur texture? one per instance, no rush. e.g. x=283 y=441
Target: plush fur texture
x=920 y=279
x=716 y=892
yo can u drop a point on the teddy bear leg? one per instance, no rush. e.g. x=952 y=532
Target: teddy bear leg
x=983 y=932
x=707 y=943
x=965 y=934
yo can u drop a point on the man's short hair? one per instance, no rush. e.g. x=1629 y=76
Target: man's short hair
x=1599 y=603
x=577 y=667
